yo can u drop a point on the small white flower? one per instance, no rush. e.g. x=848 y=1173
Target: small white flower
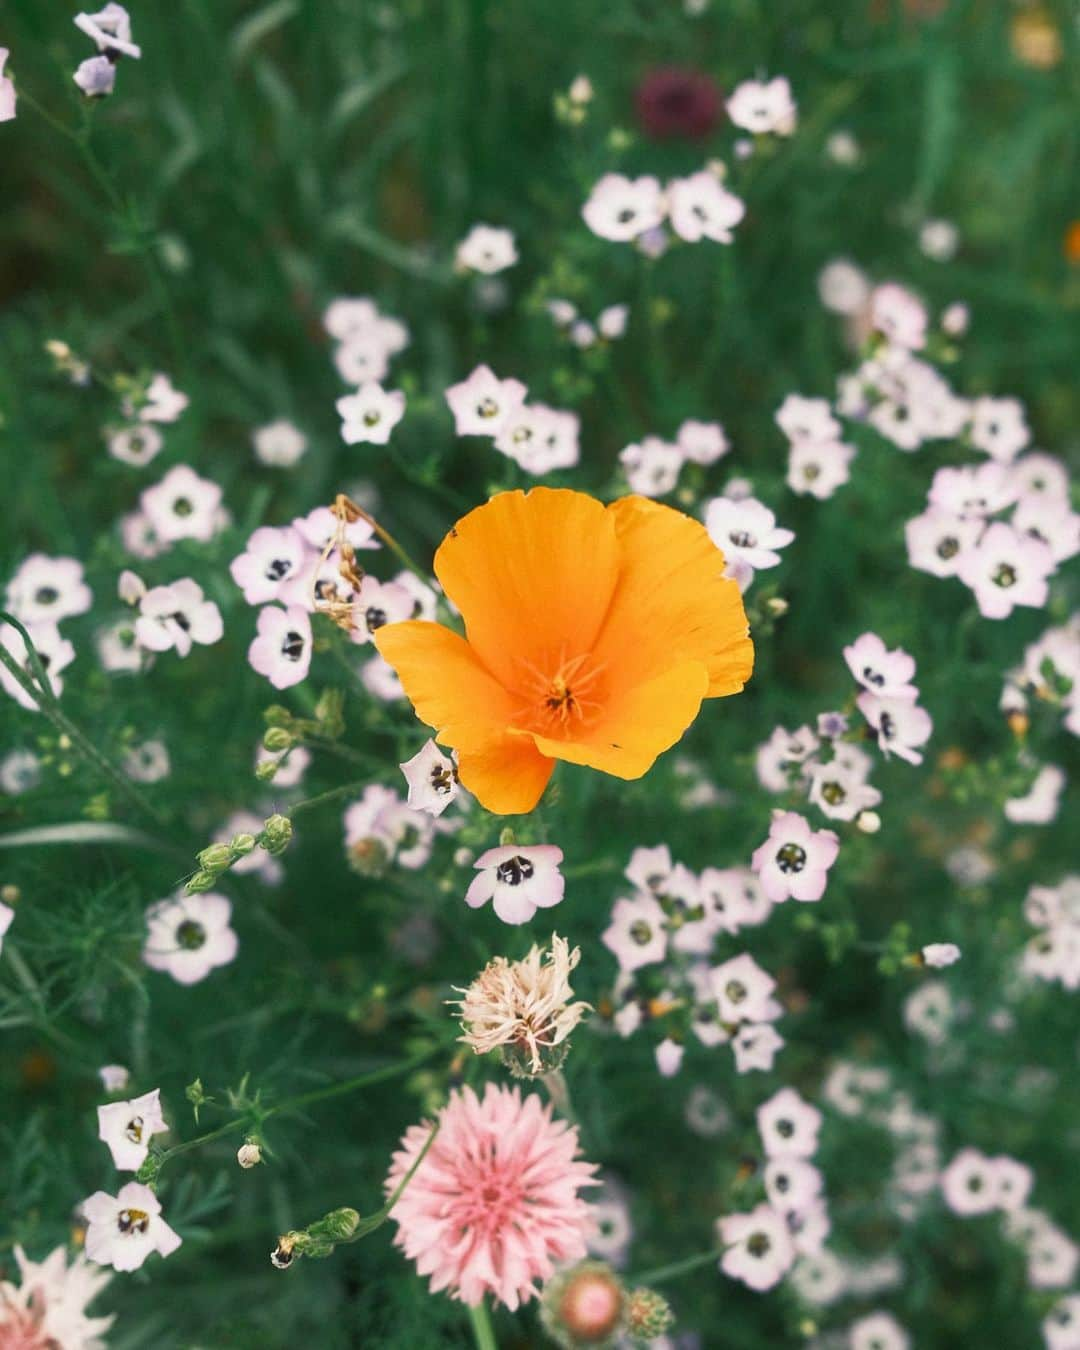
x=176 y=617
x=879 y=1331
x=126 y=1127
x=1039 y=805
x=746 y=532
x=899 y=315
x=611 y=322
x=702 y=442
x=378 y=603
x=370 y=414
x=928 y=1011
x=938 y=955
x=652 y=468
x=518 y=880
x=124 y=1229
x=281 y=649
x=807 y=419
x=54 y=652
x=758 y=1247
x=788 y=1125
x=701 y=208
x=887 y=673
x=110 y=28
x=114 y=1077
x=20 y=771
x=162 y=402
x=999 y=427
x=147 y=762
x=939 y=240
x=96 y=76
x=901 y=725
x=45 y=590
x=842 y=148
x=743 y=990
x=843 y=288
x=432 y=779
x=818 y=468
x=637 y=934
x=7 y=89
x=621 y=209
x=482 y=403
x=761 y=107
x=1005 y=569
x=669 y=1057
x=755 y=1046
x=279 y=445
x=188 y=936
x=486 y=249
x=136 y=445
x=183 y=506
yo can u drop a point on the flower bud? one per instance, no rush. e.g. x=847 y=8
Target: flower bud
x=583 y=1306
x=201 y=881
x=777 y=605
x=215 y=858
x=277 y=832
x=131 y=588
x=369 y=857
x=266 y=769
x=337 y=1226
x=868 y=821
x=648 y=1314
x=278 y=739
x=241 y=845
x=10 y=895
x=277 y=716
x=249 y=1155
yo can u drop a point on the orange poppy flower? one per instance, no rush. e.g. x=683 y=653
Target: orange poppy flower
x=592 y=635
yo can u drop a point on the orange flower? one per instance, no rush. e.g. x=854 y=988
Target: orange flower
x=593 y=634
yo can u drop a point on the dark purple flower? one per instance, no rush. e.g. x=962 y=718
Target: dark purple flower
x=673 y=102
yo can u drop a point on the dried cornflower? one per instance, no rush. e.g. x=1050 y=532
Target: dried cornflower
x=524 y=1007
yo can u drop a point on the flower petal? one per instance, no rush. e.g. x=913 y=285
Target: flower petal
x=448 y=687
x=671 y=602
x=507 y=775
x=533 y=576
x=638 y=723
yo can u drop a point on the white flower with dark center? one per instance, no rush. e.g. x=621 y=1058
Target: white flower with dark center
x=362 y=359
x=928 y=1012
x=901 y=725
x=432 y=778
x=755 y=1046
x=482 y=403
x=780 y=761
x=370 y=414
x=818 y=468
x=613 y=1228
x=1053 y=523
x=807 y=419
x=999 y=427
x=637 y=934
x=969 y=1183
x=54 y=652
x=20 y=771
x=899 y=315
x=701 y=208
x=841 y=793
x=126 y=1127
x=621 y=209
x=110 y=28
x=879 y=1331
x=279 y=445
x=758 y=1248
x=118 y=650
x=1006 y=569
x=124 y=1229
x=702 y=442
x=650 y=868
x=177 y=616
x=281 y=649
x=734 y=897
x=761 y=107
x=820 y=1278
x=136 y=445
x=139 y=537
x=381 y=828
x=522 y=435
x=884 y=671
x=162 y=402
x=793 y=863
x=188 y=936
x=378 y=603
x=271 y=558
x=7 y=89
x=973 y=490
x=518 y=880
x=351 y=317
x=183 y=506
x=553 y=441
x=486 y=249
x=1061 y=1325
x=791 y=1184
x=1014 y=1181
x=746 y=532
x=1039 y=475
x=937 y=541
x=46 y=590
x=147 y=762
x=652 y=468
x=788 y=1125
x=743 y=991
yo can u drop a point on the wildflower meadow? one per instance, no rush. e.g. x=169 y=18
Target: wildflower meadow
x=539 y=663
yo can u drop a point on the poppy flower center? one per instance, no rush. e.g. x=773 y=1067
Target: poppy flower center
x=563 y=701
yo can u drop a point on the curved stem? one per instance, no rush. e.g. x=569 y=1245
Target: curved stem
x=677 y=1268
x=483 y=1334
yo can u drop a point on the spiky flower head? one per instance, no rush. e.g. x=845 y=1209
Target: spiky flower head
x=524 y=1008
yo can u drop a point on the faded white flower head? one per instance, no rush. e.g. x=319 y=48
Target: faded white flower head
x=524 y=1007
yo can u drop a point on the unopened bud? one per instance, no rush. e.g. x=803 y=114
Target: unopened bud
x=277 y=716
x=337 y=1226
x=201 y=881
x=10 y=895
x=777 y=605
x=648 y=1314
x=241 y=845
x=277 y=832
x=215 y=858
x=131 y=588
x=868 y=821
x=277 y=739
x=249 y=1155
x=369 y=857
x=583 y=1306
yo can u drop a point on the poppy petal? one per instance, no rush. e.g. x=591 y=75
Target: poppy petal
x=448 y=687
x=507 y=776
x=672 y=602
x=533 y=576
x=638 y=724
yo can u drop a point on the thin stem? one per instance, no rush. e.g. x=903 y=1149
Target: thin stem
x=332 y=795
x=46 y=703
x=483 y=1334
x=677 y=1268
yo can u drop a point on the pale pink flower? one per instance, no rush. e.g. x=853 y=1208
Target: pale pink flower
x=999 y=427
x=621 y=208
x=758 y=1247
x=901 y=725
x=7 y=90
x=494 y=1206
x=637 y=934
x=761 y=106
x=818 y=468
x=1006 y=569
x=899 y=315
x=701 y=208
x=807 y=419
x=969 y=1183
x=937 y=541
x=788 y=1125
x=702 y=442
x=755 y=1045
x=887 y=673
x=482 y=403
x=487 y=249
x=48 y=1309
x=793 y=863
x=518 y=879
x=281 y=649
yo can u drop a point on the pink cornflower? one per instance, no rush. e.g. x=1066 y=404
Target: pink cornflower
x=494 y=1206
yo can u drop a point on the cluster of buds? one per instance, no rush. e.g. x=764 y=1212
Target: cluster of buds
x=572 y=106
x=318 y=1239
x=589 y=1306
x=274 y=837
x=284 y=731
x=65 y=362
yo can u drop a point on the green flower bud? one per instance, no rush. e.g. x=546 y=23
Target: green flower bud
x=215 y=858
x=277 y=716
x=337 y=1226
x=648 y=1314
x=201 y=881
x=241 y=845
x=277 y=832
x=277 y=739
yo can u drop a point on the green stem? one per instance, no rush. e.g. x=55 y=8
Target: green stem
x=677 y=1268
x=331 y=795
x=46 y=703
x=483 y=1334
x=255 y=1116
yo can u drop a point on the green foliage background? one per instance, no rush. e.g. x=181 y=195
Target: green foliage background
x=262 y=159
